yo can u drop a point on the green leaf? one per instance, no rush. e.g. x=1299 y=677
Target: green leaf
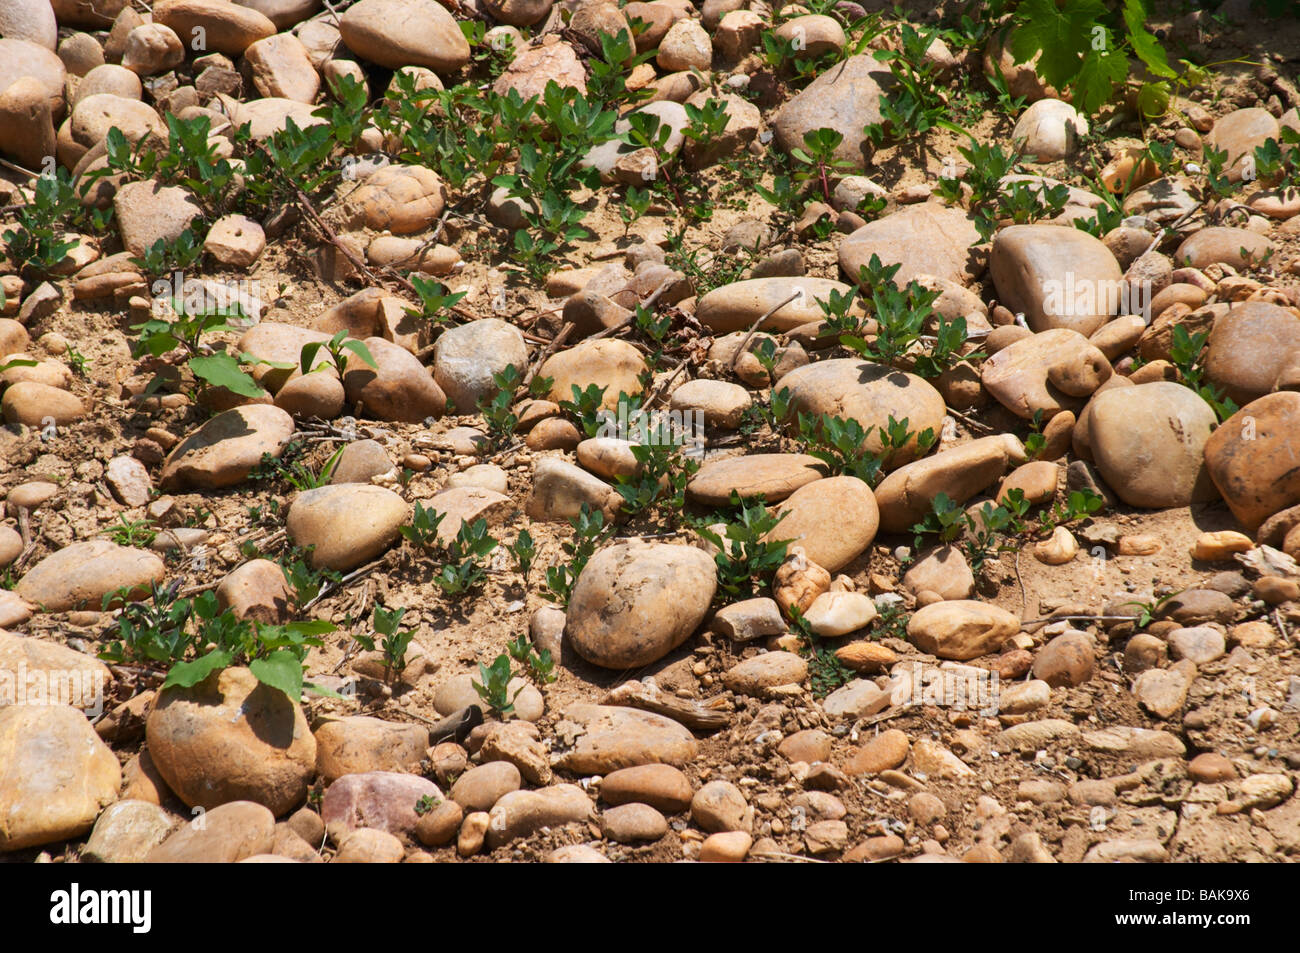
x=360 y=350
x=1153 y=99
x=1100 y=74
x=280 y=670
x=1146 y=46
x=222 y=370
x=189 y=674
x=1062 y=35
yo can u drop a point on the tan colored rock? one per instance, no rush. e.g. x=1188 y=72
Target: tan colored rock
x=213 y=26
x=397 y=33
x=636 y=602
x=560 y=489
x=1250 y=347
x=232 y=738
x=869 y=393
x=774 y=476
x=347 y=524
x=1250 y=458
x=152 y=48
x=925 y=239
x=78 y=576
x=833 y=519
x=661 y=786
x=1059 y=277
x=904 y=497
x=961 y=629
x=281 y=67
x=55 y=775
x=26 y=123
x=398 y=388
x=521 y=813
x=39 y=405
x=1149 y=443
x=225 y=450
x=611 y=364
x=36 y=672
x=605 y=739
x=1052 y=371
x=357 y=744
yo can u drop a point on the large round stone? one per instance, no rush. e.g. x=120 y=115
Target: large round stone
x=55 y=775
x=773 y=476
x=466 y=357
x=1252 y=458
x=347 y=524
x=735 y=307
x=844 y=98
x=868 y=393
x=225 y=450
x=80 y=575
x=613 y=365
x=397 y=33
x=232 y=738
x=1059 y=277
x=635 y=602
x=1149 y=443
x=834 y=520
x=961 y=629
x=1050 y=371
x=926 y=239
x=1250 y=346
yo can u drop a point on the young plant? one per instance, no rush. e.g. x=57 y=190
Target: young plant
x=585 y=408
x=37 y=246
x=589 y=527
x=493 y=686
x=820 y=163
x=826 y=672
x=747 y=554
x=394 y=641
x=1185 y=354
x=538 y=666
x=463 y=569
x=138 y=533
x=436 y=301
x=337 y=347
x=1147 y=611
x=158 y=336
x=660 y=480
x=149 y=633
x=524 y=551
x=422 y=531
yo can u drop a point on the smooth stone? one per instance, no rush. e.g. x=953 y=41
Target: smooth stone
x=232 y=738
x=774 y=476
x=636 y=602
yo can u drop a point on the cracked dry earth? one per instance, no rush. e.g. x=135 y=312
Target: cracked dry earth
x=1132 y=671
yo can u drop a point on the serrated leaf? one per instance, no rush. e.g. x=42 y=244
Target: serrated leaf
x=1100 y=74
x=280 y=670
x=222 y=370
x=189 y=674
x=1146 y=46
x=1061 y=35
x=1153 y=99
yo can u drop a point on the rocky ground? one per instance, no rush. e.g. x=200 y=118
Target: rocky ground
x=1033 y=592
